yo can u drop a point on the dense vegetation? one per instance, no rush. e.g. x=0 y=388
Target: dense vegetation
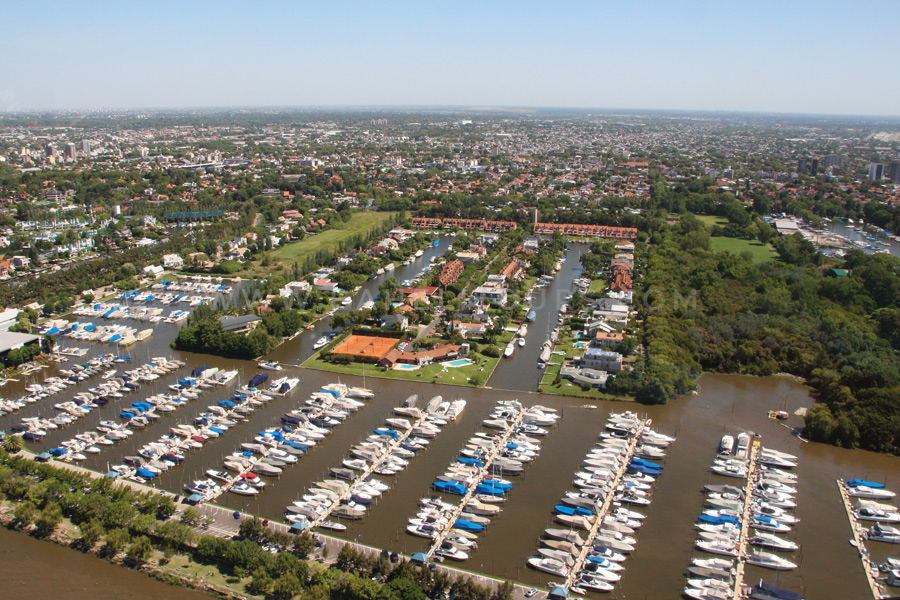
x=707 y=311
x=204 y=333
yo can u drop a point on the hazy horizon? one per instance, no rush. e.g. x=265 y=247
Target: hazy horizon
x=804 y=58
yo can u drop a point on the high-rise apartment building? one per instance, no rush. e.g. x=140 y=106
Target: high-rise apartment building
x=894 y=171
x=876 y=171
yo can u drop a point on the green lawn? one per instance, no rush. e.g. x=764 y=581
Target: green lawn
x=759 y=252
x=360 y=223
x=482 y=369
x=710 y=220
x=598 y=286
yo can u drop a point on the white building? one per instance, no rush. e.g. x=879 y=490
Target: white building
x=173 y=261
x=8 y=318
x=601 y=360
x=493 y=293
x=154 y=271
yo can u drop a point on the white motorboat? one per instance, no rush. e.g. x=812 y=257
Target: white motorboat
x=270 y=365
x=883 y=533
x=768 y=540
x=863 y=491
x=767 y=560
x=322 y=341
x=867 y=513
x=549 y=565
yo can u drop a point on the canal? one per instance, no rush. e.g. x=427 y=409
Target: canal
x=520 y=371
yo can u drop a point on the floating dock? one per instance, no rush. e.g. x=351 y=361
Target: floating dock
x=501 y=444
x=607 y=502
x=745 y=521
x=871 y=571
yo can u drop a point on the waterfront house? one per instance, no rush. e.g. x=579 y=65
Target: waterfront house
x=601 y=360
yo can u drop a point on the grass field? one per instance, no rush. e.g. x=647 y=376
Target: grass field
x=710 y=220
x=360 y=223
x=759 y=252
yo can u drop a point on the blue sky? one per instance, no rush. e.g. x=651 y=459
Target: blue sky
x=787 y=56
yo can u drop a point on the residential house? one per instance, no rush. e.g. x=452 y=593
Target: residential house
x=591 y=377
x=466 y=329
x=609 y=340
x=513 y=271
x=492 y=293
x=400 y=322
x=326 y=285
x=438 y=353
x=154 y=271
x=601 y=360
x=241 y=324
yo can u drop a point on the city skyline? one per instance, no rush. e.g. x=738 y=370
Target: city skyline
x=808 y=58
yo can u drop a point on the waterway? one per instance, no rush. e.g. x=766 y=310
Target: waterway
x=520 y=371
x=850 y=233
x=829 y=566
x=31 y=569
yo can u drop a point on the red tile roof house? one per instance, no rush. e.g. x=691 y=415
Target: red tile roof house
x=439 y=353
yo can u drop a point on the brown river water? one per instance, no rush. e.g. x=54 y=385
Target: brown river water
x=829 y=566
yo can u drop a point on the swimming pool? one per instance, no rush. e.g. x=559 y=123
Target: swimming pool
x=460 y=362
x=580 y=344
x=405 y=367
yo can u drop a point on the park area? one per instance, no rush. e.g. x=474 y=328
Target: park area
x=358 y=225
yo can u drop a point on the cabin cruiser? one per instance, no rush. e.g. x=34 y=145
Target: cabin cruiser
x=767 y=560
x=883 y=533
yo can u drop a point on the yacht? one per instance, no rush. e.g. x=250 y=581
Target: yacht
x=270 y=365
x=767 y=560
x=320 y=342
x=884 y=533
x=864 y=491
x=549 y=565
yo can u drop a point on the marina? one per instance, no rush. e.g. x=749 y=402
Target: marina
x=737 y=402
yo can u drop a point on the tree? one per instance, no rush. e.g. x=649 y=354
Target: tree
x=401 y=588
x=48 y=519
x=140 y=549
x=261 y=582
x=91 y=531
x=25 y=513
x=504 y=591
x=286 y=587
x=14 y=444
x=118 y=514
x=117 y=540
x=251 y=529
x=304 y=544
x=191 y=516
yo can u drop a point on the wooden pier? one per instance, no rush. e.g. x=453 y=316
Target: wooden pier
x=498 y=446
x=858 y=540
x=607 y=502
x=363 y=475
x=744 y=538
